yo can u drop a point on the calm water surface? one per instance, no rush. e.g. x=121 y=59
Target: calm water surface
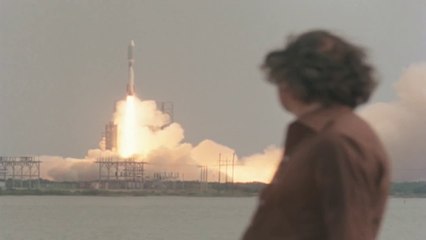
x=177 y=218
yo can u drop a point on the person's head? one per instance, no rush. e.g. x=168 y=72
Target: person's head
x=320 y=68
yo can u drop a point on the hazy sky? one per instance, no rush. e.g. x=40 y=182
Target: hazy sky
x=63 y=64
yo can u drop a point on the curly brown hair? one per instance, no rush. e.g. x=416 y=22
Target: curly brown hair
x=322 y=67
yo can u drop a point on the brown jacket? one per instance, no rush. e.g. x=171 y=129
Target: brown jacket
x=332 y=183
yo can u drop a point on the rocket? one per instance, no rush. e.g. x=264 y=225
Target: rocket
x=131 y=82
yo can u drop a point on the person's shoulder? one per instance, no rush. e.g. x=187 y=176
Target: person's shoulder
x=351 y=137
x=341 y=139
x=327 y=141
x=353 y=129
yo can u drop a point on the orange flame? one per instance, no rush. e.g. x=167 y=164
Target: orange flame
x=127 y=134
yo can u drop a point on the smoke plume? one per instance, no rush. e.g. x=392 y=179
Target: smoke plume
x=149 y=136
x=400 y=125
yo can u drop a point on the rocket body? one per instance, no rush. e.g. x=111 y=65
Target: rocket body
x=131 y=80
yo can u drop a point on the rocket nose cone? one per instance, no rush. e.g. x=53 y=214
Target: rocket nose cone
x=132 y=43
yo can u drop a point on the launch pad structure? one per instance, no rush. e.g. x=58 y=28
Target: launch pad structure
x=20 y=172
x=119 y=173
x=167 y=107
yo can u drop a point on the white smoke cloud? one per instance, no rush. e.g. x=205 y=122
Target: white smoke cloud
x=142 y=128
x=400 y=125
x=160 y=144
x=67 y=169
x=259 y=167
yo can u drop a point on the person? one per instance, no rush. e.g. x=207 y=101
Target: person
x=333 y=180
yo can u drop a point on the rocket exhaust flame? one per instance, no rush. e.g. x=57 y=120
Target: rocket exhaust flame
x=127 y=135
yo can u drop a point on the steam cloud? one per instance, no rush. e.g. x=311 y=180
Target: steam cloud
x=160 y=144
x=400 y=125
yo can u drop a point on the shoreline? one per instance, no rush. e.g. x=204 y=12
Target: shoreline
x=147 y=193
x=119 y=193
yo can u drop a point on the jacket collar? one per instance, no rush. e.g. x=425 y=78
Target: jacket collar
x=319 y=119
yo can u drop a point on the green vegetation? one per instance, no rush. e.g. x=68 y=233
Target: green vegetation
x=188 y=189
x=57 y=192
x=400 y=189
x=408 y=189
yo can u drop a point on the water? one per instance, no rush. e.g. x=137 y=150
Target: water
x=405 y=219
x=157 y=218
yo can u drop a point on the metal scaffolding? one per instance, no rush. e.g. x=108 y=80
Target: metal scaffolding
x=204 y=177
x=163 y=180
x=20 y=172
x=167 y=108
x=226 y=163
x=119 y=173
